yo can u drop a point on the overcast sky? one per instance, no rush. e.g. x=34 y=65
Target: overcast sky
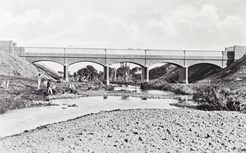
x=160 y=24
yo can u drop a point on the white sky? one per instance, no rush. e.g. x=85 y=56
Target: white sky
x=161 y=24
x=149 y=24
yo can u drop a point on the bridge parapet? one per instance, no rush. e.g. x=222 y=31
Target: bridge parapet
x=143 y=58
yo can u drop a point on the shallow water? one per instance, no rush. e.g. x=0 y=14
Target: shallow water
x=138 y=90
x=14 y=122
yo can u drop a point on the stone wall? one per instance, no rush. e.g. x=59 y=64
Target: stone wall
x=11 y=48
x=239 y=51
x=234 y=53
x=7 y=46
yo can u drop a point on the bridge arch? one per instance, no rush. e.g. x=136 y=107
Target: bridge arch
x=36 y=61
x=162 y=69
x=172 y=63
x=86 y=61
x=179 y=63
x=49 y=67
x=206 y=63
x=118 y=73
x=77 y=70
x=126 y=61
x=202 y=70
x=219 y=64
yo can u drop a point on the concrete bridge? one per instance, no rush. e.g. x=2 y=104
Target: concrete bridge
x=142 y=57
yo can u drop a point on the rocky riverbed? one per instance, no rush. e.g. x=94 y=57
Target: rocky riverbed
x=143 y=130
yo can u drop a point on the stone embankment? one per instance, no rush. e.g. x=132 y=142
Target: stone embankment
x=147 y=130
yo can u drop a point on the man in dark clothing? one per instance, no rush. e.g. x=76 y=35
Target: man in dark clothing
x=49 y=89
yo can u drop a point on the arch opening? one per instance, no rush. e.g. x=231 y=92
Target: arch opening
x=166 y=72
x=50 y=68
x=85 y=71
x=125 y=73
x=201 y=71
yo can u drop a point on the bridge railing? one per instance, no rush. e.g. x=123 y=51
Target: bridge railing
x=145 y=52
x=205 y=53
x=43 y=50
x=84 y=50
x=165 y=52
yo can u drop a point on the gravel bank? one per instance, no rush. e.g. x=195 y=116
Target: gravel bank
x=147 y=130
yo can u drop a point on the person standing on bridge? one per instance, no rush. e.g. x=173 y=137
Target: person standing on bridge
x=39 y=80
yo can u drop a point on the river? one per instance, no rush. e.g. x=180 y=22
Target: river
x=16 y=121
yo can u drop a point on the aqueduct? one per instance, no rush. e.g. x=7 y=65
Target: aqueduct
x=142 y=57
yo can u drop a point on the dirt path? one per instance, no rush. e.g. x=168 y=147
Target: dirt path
x=137 y=131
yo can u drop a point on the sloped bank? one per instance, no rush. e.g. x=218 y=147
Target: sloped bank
x=224 y=90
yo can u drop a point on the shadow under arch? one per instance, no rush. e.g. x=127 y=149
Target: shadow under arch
x=201 y=71
x=167 y=71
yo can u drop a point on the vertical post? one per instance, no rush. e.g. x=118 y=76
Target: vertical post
x=115 y=74
x=106 y=75
x=142 y=74
x=186 y=75
x=183 y=75
x=65 y=72
x=145 y=74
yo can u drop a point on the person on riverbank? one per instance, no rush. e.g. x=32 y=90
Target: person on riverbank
x=72 y=88
x=39 y=81
x=49 y=89
x=5 y=84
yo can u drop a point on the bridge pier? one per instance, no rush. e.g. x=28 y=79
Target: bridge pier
x=65 y=72
x=183 y=75
x=106 y=75
x=145 y=74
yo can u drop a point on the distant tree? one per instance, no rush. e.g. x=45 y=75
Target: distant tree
x=88 y=73
x=123 y=71
x=136 y=73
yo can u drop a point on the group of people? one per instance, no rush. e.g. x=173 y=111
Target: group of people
x=49 y=87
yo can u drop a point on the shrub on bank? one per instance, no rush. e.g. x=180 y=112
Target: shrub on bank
x=217 y=98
